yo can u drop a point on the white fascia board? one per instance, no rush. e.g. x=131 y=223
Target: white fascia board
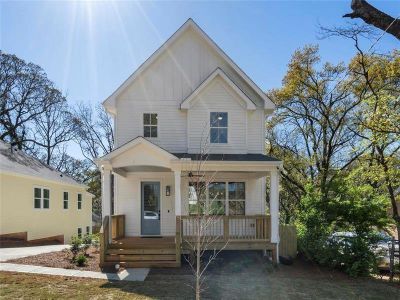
x=186 y=104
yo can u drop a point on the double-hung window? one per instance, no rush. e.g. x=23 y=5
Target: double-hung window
x=218 y=198
x=79 y=201
x=197 y=198
x=237 y=196
x=150 y=124
x=218 y=127
x=41 y=198
x=65 y=200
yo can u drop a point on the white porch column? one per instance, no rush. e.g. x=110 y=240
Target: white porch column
x=178 y=202
x=106 y=195
x=274 y=210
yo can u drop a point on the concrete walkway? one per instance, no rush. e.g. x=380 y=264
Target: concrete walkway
x=14 y=253
x=139 y=274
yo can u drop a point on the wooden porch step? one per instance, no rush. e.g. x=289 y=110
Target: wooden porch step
x=144 y=264
x=145 y=257
x=141 y=251
x=140 y=247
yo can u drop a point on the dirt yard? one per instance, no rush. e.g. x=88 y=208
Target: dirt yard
x=60 y=259
x=233 y=276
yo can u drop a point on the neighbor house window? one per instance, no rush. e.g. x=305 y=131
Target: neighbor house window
x=41 y=198
x=79 y=201
x=150 y=123
x=218 y=127
x=65 y=200
x=236 y=197
x=79 y=232
x=87 y=229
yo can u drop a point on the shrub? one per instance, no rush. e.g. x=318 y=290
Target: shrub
x=350 y=208
x=80 y=260
x=76 y=245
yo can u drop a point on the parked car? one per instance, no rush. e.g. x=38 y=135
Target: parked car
x=381 y=248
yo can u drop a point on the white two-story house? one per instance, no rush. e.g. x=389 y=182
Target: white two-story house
x=188 y=109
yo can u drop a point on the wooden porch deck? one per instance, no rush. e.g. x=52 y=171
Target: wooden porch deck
x=227 y=233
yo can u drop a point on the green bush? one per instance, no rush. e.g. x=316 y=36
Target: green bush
x=349 y=208
x=80 y=260
x=76 y=245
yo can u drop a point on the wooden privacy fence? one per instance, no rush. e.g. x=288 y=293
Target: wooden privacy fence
x=288 y=240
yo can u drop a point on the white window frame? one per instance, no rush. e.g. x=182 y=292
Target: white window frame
x=79 y=202
x=220 y=127
x=67 y=201
x=226 y=200
x=42 y=188
x=151 y=125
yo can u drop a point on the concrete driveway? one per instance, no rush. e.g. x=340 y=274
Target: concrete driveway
x=13 y=253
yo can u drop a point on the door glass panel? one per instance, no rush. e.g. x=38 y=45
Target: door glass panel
x=151 y=202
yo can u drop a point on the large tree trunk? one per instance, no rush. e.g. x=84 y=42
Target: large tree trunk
x=373 y=16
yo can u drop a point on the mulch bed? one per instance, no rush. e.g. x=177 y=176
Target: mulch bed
x=61 y=259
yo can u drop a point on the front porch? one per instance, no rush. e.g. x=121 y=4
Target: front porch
x=148 y=216
x=223 y=232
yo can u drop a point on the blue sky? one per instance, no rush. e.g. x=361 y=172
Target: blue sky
x=89 y=48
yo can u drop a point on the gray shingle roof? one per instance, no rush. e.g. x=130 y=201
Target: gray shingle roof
x=17 y=161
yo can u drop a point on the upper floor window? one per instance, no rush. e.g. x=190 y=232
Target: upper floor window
x=219 y=127
x=41 y=198
x=65 y=200
x=150 y=123
x=79 y=201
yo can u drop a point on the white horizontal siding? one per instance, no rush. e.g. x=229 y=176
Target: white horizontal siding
x=217 y=97
x=166 y=83
x=255 y=131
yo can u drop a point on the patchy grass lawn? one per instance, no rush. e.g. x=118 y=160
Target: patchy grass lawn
x=233 y=276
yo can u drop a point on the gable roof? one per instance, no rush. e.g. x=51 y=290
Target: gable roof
x=131 y=144
x=109 y=103
x=218 y=72
x=18 y=162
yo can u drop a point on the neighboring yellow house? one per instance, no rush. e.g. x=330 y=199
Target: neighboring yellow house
x=40 y=201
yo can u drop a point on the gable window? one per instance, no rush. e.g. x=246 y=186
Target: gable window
x=79 y=201
x=41 y=198
x=65 y=200
x=218 y=127
x=150 y=123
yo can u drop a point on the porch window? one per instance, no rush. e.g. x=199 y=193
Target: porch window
x=218 y=127
x=41 y=198
x=237 y=196
x=216 y=198
x=150 y=124
x=197 y=198
x=65 y=200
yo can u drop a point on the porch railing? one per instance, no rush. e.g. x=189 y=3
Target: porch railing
x=226 y=228
x=118 y=226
